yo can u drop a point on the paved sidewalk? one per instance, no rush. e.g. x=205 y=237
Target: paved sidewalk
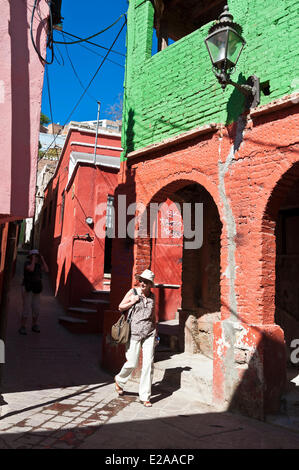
x=57 y=396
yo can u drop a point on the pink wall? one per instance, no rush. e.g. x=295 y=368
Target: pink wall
x=21 y=82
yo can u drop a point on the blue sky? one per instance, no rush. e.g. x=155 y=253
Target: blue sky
x=84 y=19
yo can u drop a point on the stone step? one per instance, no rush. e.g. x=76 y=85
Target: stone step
x=186 y=372
x=82 y=310
x=73 y=320
x=288 y=415
x=77 y=325
x=101 y=291
x=168 y=327
x=96 y=301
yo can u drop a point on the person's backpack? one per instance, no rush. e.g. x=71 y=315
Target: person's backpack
x=120 y=331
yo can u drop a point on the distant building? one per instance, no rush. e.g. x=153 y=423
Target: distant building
x=54 y=128
x=113 y=126
x=75 y=224
x=50 y=141
x=32 y=226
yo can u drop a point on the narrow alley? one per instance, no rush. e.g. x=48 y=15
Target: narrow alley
x=55 y=396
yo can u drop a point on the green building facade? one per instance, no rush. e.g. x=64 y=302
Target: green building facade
x=175 y=90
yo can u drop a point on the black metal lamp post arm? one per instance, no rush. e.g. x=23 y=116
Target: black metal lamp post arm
x=246 y=90
x=251 y=90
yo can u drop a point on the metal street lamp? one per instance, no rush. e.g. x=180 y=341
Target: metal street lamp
x=225 y=44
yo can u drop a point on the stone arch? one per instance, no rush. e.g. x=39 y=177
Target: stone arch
x=283 y=191
x=200 y=283
x=172 y=184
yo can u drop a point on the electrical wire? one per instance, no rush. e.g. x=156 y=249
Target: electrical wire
x=50 y=35
x=49 y=94
x=50 y=101
x=100 y=55
x=98 y=69
x=94 y=35
x=75 y=72
x=89 y=42
x=90 y=82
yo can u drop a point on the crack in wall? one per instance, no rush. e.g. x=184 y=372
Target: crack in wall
x=229 y=333
x=223 y=168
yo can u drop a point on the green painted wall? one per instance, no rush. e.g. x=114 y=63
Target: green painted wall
x=175 y=90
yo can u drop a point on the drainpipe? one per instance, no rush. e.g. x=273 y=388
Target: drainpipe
x=96 y=139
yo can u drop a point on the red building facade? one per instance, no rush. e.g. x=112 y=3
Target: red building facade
x=186 y=142
x=74 y=238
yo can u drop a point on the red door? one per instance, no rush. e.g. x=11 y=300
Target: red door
x=167 y=252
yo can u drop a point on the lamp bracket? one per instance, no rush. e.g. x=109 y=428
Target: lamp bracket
x=251 y=89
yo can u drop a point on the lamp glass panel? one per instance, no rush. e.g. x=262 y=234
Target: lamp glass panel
x=235 y=45
x=217 y=46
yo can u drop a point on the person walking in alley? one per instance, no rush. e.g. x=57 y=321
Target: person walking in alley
x=31 y=289
x=143 y=333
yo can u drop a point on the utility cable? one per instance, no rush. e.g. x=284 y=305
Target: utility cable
x=90 y=82
x=95 y=74
x=50 y=35
x=89 y=42
x=50 y=102
x=61 y=56
x=100 y=55
x=94 y=35
x=75 y=72
x=49 y=94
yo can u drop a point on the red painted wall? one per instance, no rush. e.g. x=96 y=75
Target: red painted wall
x=73 y=249
x=248 y=169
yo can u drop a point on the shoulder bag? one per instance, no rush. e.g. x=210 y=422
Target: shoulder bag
x=120 y=331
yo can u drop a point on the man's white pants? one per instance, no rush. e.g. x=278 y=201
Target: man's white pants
x=132 y=356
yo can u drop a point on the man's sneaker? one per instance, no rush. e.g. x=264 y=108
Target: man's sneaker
x=35 y=328
x=22 y=330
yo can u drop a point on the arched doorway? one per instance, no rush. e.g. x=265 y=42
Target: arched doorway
x=282 y=272
x=185 y=256
x=287 y=266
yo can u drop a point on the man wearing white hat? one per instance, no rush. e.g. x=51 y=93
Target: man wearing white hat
x=143 y=333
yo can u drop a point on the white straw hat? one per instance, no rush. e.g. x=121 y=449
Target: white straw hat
x=148 y=275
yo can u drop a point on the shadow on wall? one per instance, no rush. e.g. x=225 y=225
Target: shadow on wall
x=236 y=102
x=20 y=106
x=130 y=133
x=72 y=286
x=254 y=359
x=122 y=260
x=263 y=375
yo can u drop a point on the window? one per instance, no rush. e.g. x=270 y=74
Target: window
x=110 y=214
x=175 y=19
x=62 y=207
x=109 y=234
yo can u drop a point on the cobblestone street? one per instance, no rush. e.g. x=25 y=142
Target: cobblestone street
x=55 y=395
